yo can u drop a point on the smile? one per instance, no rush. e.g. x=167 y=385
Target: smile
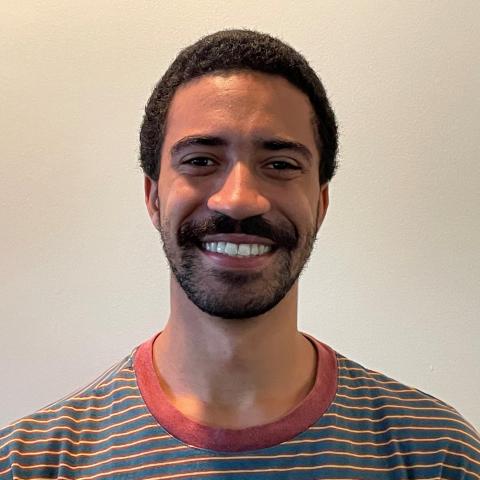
x=237 y=249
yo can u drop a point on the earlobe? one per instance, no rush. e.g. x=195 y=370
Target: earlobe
x=151 y=201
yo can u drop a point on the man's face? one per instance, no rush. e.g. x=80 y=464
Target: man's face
x=239 y=199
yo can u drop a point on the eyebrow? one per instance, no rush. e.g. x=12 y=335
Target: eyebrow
x=197 y=141
x=277 y=143
x=272 y=144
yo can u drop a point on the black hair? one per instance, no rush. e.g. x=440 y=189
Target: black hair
x=229 y=50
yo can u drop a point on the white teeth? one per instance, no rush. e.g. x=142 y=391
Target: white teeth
x=237 y=249
x=244 y=250
x=231 y=249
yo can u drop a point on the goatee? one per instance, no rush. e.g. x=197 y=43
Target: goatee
x=232 y=294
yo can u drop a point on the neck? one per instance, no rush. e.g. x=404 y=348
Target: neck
x=234 y=373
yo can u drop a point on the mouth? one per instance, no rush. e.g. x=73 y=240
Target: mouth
x=241 y=250
x=238 y=256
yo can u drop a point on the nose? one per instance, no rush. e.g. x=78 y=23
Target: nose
x=239 y=195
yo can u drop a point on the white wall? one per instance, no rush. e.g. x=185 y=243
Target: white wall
x=394 y=282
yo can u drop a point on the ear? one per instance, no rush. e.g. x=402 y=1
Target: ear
x=323 y=202
x=152 y=201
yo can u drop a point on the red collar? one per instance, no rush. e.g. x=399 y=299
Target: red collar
x=295 y=422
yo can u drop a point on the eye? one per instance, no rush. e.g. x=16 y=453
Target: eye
x=282 y=165
x=197 y=165
x=199 y=162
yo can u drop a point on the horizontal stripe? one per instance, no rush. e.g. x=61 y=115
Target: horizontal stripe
x=269 y=470
x=97 y=452
x=86 y=419
x=132 y=379
x=240 y=458
x=390 y=429
x=84 y=430
x=81 y=442
x=390 y=406
x=292 y=443
x=371 y=387
x=381 y=397
x=101 y=397
x=353 y=379
x=75 y=409
x=90 y=407
x=388 y=442
x=397 y=417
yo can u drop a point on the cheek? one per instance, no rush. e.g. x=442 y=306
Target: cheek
x=301 y=210
x=177 y=201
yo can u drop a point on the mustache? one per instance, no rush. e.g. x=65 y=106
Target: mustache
x=191 y=232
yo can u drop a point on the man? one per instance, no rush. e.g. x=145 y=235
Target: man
x=238 y=147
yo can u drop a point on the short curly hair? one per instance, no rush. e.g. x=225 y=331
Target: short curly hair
x=229 y=50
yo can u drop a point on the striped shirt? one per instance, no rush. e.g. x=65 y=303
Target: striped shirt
x=354 y=424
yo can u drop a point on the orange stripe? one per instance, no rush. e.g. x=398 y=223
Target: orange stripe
x=292 y=442
x=266 y=470
x=371 y=420
x=358 y=369
x=93 y=442
x=93 y=454
x=118 y=367
x=100 y=397
x=346 y=377
x=82 y=442
x=405 y=407
x=117 y=379
x=340 y=395
x=84 y=430
x=87 y=419
x=370 y=387
x=373 y=432
x=240 y=458
x=346 y=368
x=8 y=470
x=381 y=444
x=86 y=409
x=97 y=452
x=65 y=407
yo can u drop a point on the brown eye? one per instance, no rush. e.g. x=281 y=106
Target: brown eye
x=282 y=165
x=200 y=162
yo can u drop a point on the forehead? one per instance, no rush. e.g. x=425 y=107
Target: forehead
x=240 y=105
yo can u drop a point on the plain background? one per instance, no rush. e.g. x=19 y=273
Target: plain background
x=394 y=280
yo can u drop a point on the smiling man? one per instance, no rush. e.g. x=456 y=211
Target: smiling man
x=238 y=147
x=240 y=184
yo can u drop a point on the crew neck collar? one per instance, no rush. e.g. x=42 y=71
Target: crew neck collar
x=299 y=419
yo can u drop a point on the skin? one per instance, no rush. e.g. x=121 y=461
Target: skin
x=224 y=372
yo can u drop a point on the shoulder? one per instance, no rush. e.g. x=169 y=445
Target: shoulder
x=404 y=419
x=57 y=428
x=363 y=386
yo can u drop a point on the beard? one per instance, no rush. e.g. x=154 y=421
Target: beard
x=231 y=294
